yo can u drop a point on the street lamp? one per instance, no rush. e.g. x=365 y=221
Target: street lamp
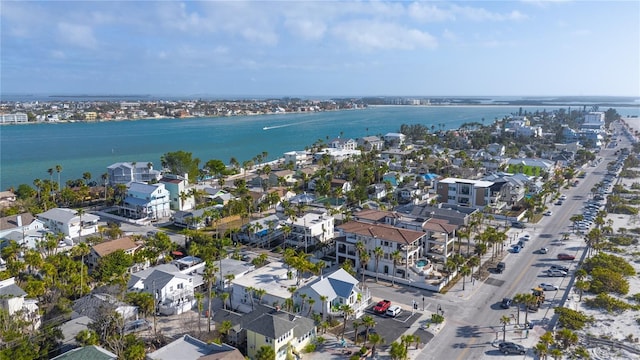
x=440 y=311
x=422 y=302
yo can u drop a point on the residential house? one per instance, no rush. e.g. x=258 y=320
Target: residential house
x=13 y=301
x=190 y=348
x=275 y=278
x=93 y=352
x=408 y=244
x=69 y=222
x=496 y=149
x=129 y=172
x=282 y=331
x=146 y=201
x=282 y=177
x=194 y=219
x=377 y=191
x=17 y=118
x=105 y=248
x=336 y=155
x=464 y=192
x=340 y=186
x=343 y=144
x=370 y=143
x=260 y=232
x=173 y=289
x=93 y=306
x=181 y=198
x=23 y=228
x=395 y=139
x=594 y=121
x=396 y=155
x=299 y=159
x=310 y=229
x=339 y=288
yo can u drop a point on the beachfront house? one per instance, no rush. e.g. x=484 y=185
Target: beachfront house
x=128 y=172
x=299 y=159
x=69 y=222
x=370 y=143
x=146 y=201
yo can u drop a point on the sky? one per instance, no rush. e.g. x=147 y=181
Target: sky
x=321 y=48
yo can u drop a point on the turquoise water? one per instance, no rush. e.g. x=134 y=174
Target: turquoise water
x=27 y=151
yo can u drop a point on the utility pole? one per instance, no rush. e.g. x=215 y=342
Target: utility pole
x=155 y=302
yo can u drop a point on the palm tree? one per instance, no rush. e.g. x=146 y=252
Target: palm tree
x=224 y=296
x=364 y=260
x=378 y=253
x=356 y=324
x=199 y=297
x=58 y=170
x=368 y=323
x=519 y=299
x=504 y=321
x=375 y=339
x=464 y=271
x=396 y=256
x=324 y=299
x=346 y=312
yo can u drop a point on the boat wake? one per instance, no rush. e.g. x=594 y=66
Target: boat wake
x=276 y=127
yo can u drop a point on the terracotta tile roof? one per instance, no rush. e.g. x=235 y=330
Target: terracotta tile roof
x=108 y=247
x=380 y=231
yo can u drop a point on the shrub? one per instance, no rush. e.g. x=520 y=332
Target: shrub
x=572 y=319
x=635 y=297
x=309 y=348
x=610 y=262
x=608 y=303
x=437 y=318
x=623 y=240
x=607 y=281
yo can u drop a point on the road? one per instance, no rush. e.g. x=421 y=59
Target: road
x=473 y=316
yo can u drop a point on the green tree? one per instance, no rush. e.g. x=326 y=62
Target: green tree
x=265 y=353
x=181 y=162
x=113 y=266
x=504 y=321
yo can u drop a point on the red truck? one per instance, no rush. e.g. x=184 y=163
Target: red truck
x=382 y=306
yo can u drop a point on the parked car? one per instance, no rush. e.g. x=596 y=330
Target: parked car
x=518 y=225
x=516 y=249
x=548 y=213
x=526 y=237
x=563 y=256
x=556 y=273
x=393 y=311
x=563 y=197
x=506 y=303
x=500 y=267
x=559 y=202
x=521 y=243
x=548 y=287
x=511 y=348
x=382 y=306
x=559 y=267
x=542 y=251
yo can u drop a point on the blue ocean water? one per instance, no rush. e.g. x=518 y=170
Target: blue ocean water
x=27 y=151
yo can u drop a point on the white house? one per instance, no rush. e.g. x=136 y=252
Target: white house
x=12 y=299
x=299 y=159
x=128 y=172
x=147 y=201
x=311 y=229
x=339 y=288
x=173 y=290
x=69 y=222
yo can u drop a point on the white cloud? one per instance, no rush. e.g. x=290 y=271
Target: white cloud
x=480 y=14
x=383 y=36
x=429 y=13
x=449 y=35
x=309 y=29
x=77 y=35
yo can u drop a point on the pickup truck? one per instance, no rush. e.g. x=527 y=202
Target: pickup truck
x=382 y=306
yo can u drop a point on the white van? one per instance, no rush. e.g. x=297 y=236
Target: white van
x=394 y=310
